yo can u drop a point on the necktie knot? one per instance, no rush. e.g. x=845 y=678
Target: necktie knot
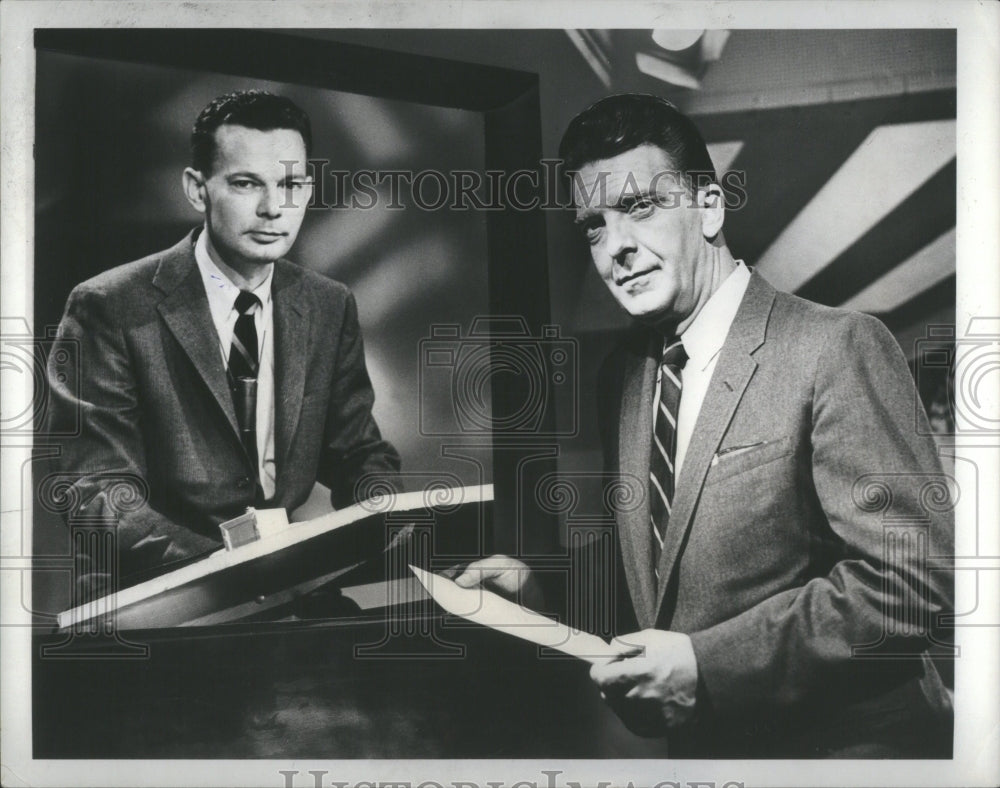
x=675 y=355
x=246 y=301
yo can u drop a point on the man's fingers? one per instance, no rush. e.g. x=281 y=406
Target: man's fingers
x=452 y=571
x=470 y=578
x=615 y=677
x=480 y=572
x=628 y=645
x=488 y=571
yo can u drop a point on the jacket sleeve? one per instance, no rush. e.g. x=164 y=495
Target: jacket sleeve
x=877 y=477
x=94 y=407
x=353 y=449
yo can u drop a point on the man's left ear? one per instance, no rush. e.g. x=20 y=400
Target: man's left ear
x=712 y=204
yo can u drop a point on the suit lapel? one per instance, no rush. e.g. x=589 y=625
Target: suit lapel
x=290 y=351
x=733 y=372
x=635 y=443
x=185 y=312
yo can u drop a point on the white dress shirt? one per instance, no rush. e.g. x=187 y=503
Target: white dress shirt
x=703 y=341
x=222 y=295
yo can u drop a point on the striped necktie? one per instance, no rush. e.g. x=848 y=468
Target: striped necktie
x=243 y=362
x=661 y=466
x=243 y=354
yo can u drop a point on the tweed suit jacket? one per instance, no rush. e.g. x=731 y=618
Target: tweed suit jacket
x=778 y=560
x=155 y=412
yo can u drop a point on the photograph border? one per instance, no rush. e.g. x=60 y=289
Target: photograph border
x=977 y=684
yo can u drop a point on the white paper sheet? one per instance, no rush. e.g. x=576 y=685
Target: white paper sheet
x=486 y=608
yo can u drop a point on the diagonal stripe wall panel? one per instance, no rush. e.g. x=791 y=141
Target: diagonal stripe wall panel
x=909 y=227
x=888 y=166
x=919 y=272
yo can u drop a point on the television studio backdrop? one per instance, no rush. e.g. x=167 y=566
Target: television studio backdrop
x=845 y=143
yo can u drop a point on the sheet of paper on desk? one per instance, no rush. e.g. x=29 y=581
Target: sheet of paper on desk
x=486 y=608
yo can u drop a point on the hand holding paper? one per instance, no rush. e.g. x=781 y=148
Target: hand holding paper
x=509 y=577
x=653 y=687
x=488 y=609
x=648 y=678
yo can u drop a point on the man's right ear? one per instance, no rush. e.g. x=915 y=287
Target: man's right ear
x=194 y=189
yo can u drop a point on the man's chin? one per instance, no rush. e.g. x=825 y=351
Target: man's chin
x=652 y=314
x=265 y=255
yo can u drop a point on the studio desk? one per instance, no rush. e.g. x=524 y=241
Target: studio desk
x=365 y=667
x=408 y=683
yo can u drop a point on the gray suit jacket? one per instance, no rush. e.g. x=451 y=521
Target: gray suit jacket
x=158 y=450
x=795 y=556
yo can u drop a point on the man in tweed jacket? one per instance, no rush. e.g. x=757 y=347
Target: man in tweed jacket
x=778 y=612
x=152 y=389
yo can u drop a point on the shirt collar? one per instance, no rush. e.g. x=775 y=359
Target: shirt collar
x=221 y=290
x=704 y=338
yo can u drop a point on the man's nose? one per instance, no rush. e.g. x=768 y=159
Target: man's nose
x=618 y=240
x=270 y=203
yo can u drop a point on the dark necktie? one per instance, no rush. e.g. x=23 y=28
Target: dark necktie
x=243 y=363
x=661 y=466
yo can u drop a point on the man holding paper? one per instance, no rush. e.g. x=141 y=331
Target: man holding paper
x=775 y=616
x=216 y=375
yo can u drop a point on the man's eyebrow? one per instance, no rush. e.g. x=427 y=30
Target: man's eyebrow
x=623 y=202
x=629 y=199
x=305 y=177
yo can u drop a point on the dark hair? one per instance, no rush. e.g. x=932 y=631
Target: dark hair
x=620 y=123
x=255 y=109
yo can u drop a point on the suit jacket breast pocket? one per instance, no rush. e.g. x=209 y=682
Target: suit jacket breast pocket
x=737 y=458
